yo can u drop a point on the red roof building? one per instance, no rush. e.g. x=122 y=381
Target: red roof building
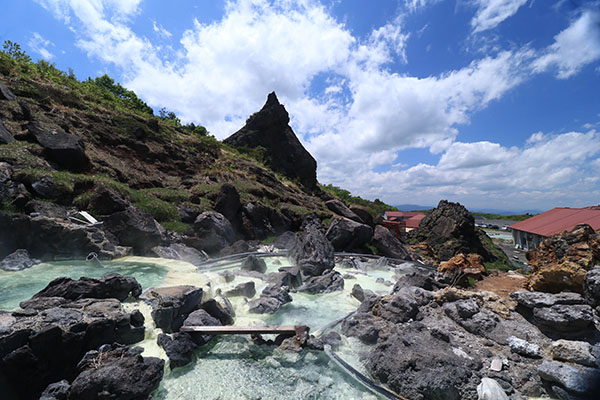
x=409 y=220
x=528 y=234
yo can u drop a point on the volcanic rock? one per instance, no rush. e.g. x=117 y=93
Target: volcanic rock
x=246 y=289
x=388 y=245
x=573 y=351
x=363 y=214
x=253 y=263
x=172 y=305
x=460 y=268
x=331 y=281
x=450 y=229
x=214 y=231
x=6 y=94
x=66 y=150
x=212 y=306
x=135 y=228
x=5 y=136
x=269 y=129
x=228 y=204
x=565 y=318
x=576 y=380
x=348 y=235
x=17 y=261
x=312 y=252
x=591 y=286
x=179 y=348
x=104 y=201
x=342 y=210
x=56 y=391
x=260 y=221
x=109 y=286
x=561 y=261
x=117 y=374
x=270 y=300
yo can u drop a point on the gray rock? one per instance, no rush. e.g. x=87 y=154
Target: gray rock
x=56 y=391
x=172 y=305
x=532 y=300
x=260 y=221
x=105 y=201
x=6 y=94
x=573 y=351
x=109 y=286
x=524 y=348
x=565 y=318
x=312 y=252
x=179 y=348
x=357 y=292
x=18 y=261
x=340 y=209
x=179 y=251
x=201 y=318
x=388 y=245
x=591 y=286
x=135 y=228
x=5 y=136
x=326 y=283
x=403 y=305
x=214 y=231
x=246 y=289
x=289 y=277
x=363 y=213
x=285 y=241
x=254 y=263
x=214 y=308
x=264 y=305
x=578 y=380
x=348 y=235
x=277 y=292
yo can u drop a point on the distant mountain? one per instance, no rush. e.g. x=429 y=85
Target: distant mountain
x=416 y=207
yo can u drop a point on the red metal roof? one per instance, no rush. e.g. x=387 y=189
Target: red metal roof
x=560 y=219
x=413 y=222
x=410 y=218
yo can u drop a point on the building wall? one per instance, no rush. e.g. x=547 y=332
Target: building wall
x=526 y=240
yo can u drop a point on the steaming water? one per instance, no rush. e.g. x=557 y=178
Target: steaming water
x=233 y=367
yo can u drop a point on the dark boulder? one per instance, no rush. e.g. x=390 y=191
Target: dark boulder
x=363 y=214
x=18 y=260
x=66 y=150
x=56 y=391
x=117 y=374
x=246 y=289
x=46 y=209
x=342 y=210
x=363 y=326
x=450 y=229
x=288 y=276
x=260 y=221
x=591 y=286
x=179 y=251
x=312 y=252
x=423 y=280
x=285 y=241
x=254 y=263
x=270 y=300
x=5 y=136
x=530 y=300
x=403 y=305
x=104 y=201
x=348 y=235
x=172 y=305
x=237 y=247
x=583 y=381
x=228 y=203
x=331 y=281
x=46 y=187
x=201 y=318
x=109 y=286
x=6 y=94
x=214 y=308
x=269 y=129
x=187 y=214
x=388 y=245
x=214 y=231
x=179 y=348
x=565 y=318
x=135 y=228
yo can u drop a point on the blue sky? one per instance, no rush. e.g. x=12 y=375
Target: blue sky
x=493 y=103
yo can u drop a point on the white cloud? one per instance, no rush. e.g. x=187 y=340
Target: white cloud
x=574 y=47
x=40 y=46
x=491 y=13
x=159 y=29
x=364 y=116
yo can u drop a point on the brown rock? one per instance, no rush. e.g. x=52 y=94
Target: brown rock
x=471 y=264
x=561 y=261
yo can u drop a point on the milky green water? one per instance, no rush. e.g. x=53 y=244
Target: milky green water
x=233 y=367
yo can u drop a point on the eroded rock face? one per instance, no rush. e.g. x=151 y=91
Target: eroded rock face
x=591 y=286
x=269 y=129
x=172 y=305
x=5 y=136
x=450 y=229
x=331 y=281
x=462 y=267
x=260 y=221
x=348 y=235
x=342 y=210
x=561 y=261
x=18 y=260
x=312 y=252
x=135 y=228
x=270 y=300
x=363 y=213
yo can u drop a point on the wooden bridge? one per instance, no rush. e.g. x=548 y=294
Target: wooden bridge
x=253 y=330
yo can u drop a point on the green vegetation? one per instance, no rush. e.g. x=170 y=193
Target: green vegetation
x=516 y=217
x=268 y=240
x=501 y=261
x=375 y=207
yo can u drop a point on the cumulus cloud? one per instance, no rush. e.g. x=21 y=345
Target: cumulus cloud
x=490 y=13
x=366 y=115
x=40 y=46
x=574 y=47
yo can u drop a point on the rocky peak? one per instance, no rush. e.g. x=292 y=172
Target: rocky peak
x=269 y=128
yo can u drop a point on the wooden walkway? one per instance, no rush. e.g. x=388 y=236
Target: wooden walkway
x=241 y=330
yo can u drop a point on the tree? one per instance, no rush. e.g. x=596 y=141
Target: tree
x=14 y=51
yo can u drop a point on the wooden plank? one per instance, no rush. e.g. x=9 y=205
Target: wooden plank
x=224 y=330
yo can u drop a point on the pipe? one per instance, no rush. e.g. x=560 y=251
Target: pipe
x=93 y=258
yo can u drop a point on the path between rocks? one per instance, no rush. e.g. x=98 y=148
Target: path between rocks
x=501 y=283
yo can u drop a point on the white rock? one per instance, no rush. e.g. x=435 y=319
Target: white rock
x=489 y=389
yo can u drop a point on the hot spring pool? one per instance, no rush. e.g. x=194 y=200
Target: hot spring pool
x=233 y=367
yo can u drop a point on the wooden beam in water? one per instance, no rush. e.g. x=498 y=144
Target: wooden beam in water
x=241 y=330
